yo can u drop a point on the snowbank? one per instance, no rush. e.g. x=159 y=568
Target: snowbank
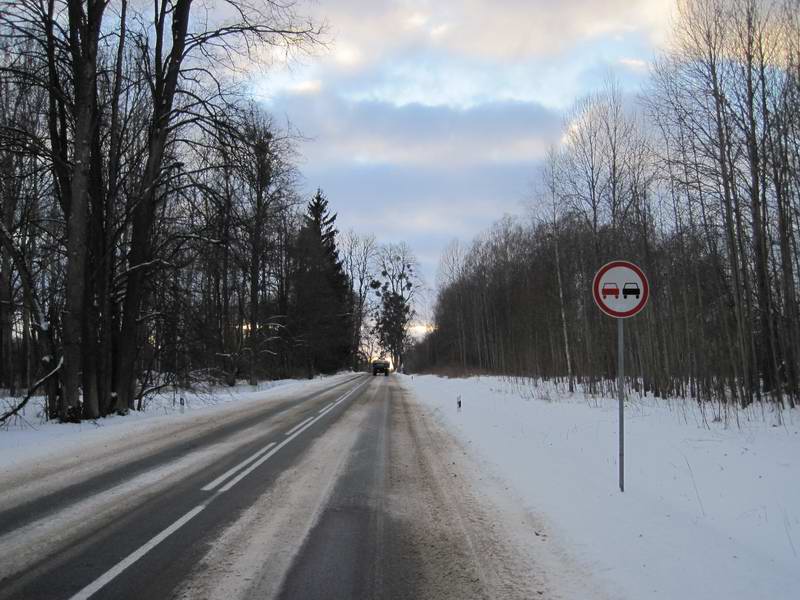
x=708 y=511
x=30 y=439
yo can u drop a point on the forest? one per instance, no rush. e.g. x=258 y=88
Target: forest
x=697 y=180
x=152 y=228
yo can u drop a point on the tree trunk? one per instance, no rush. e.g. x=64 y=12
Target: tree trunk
x=144 y=212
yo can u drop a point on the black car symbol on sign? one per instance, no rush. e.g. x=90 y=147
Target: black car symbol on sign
x=631 y=289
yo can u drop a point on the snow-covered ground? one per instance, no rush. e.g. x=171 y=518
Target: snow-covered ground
x=709 y=510
x=28 y=439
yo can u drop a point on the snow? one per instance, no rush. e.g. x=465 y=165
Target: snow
x=709 y=511
x=27 y=440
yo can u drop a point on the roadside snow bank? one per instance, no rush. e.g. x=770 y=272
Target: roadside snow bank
x=28 y=439
x=708 y=512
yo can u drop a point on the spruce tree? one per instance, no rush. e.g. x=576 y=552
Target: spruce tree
x=323 y=299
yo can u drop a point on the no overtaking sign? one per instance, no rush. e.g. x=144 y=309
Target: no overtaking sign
x=620 y=290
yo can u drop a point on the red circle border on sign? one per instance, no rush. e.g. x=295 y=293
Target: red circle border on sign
x=596 y=289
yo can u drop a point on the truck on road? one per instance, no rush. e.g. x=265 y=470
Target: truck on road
x=380 y=366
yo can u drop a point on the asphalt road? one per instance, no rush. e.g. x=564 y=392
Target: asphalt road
x=333 y=494
x=345 y=554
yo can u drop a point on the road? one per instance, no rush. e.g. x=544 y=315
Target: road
x=346 y=491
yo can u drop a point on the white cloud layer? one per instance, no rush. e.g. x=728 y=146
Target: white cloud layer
x=464 y=52
x=428 y=118
x=347 y=132
x=498 y=29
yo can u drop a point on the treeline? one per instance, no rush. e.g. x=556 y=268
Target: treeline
x=699 y=183
x=151 y=229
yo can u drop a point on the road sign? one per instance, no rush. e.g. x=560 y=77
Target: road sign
x=620 y=289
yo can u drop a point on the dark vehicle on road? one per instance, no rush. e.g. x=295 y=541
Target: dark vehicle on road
x=610 y=289
x=380 y=366
x=631 y=289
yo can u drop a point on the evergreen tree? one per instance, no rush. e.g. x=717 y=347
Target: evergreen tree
x=323 y=299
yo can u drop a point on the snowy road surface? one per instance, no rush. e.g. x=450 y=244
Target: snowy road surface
x=343 y=490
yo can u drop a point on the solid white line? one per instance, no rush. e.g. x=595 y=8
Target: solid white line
x=209 y=487
x=298 y=426
x=264 y=458
x=114 y=571
x=351 y=392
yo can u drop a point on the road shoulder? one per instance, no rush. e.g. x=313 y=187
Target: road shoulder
x=518 y=555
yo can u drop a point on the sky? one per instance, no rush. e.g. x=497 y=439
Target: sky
x=426 y=120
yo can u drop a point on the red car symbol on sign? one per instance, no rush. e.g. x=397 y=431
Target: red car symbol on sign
x=620 y=289
x=610 y=289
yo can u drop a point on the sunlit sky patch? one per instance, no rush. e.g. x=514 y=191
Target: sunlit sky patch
x=427 y=120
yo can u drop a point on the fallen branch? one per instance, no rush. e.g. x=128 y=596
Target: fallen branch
x=30 y=393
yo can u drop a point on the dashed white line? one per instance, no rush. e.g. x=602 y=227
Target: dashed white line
x=271 y=449
x=209 y=487
x=126 y=562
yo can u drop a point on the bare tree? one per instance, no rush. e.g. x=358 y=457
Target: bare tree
x=358 y=256
x=698 y=182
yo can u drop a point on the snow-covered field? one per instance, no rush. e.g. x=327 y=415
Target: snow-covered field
x=709 y=510
x=28 y=439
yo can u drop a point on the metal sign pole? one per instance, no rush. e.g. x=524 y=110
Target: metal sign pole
x=621 y=394
x=616 y=284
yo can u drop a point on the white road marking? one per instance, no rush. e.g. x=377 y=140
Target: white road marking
x=298 y=426
x=271 y=453
x=265 y=458
x=209 y=487
x=114 y=571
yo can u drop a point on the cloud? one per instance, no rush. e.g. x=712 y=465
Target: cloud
x=425 y=77
x=350 y=132
x=417 y=20
x=514 y=30
x=427 y=119
x=464 y=52
x=503 y=29
x=308 y=86
x=634 y=63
